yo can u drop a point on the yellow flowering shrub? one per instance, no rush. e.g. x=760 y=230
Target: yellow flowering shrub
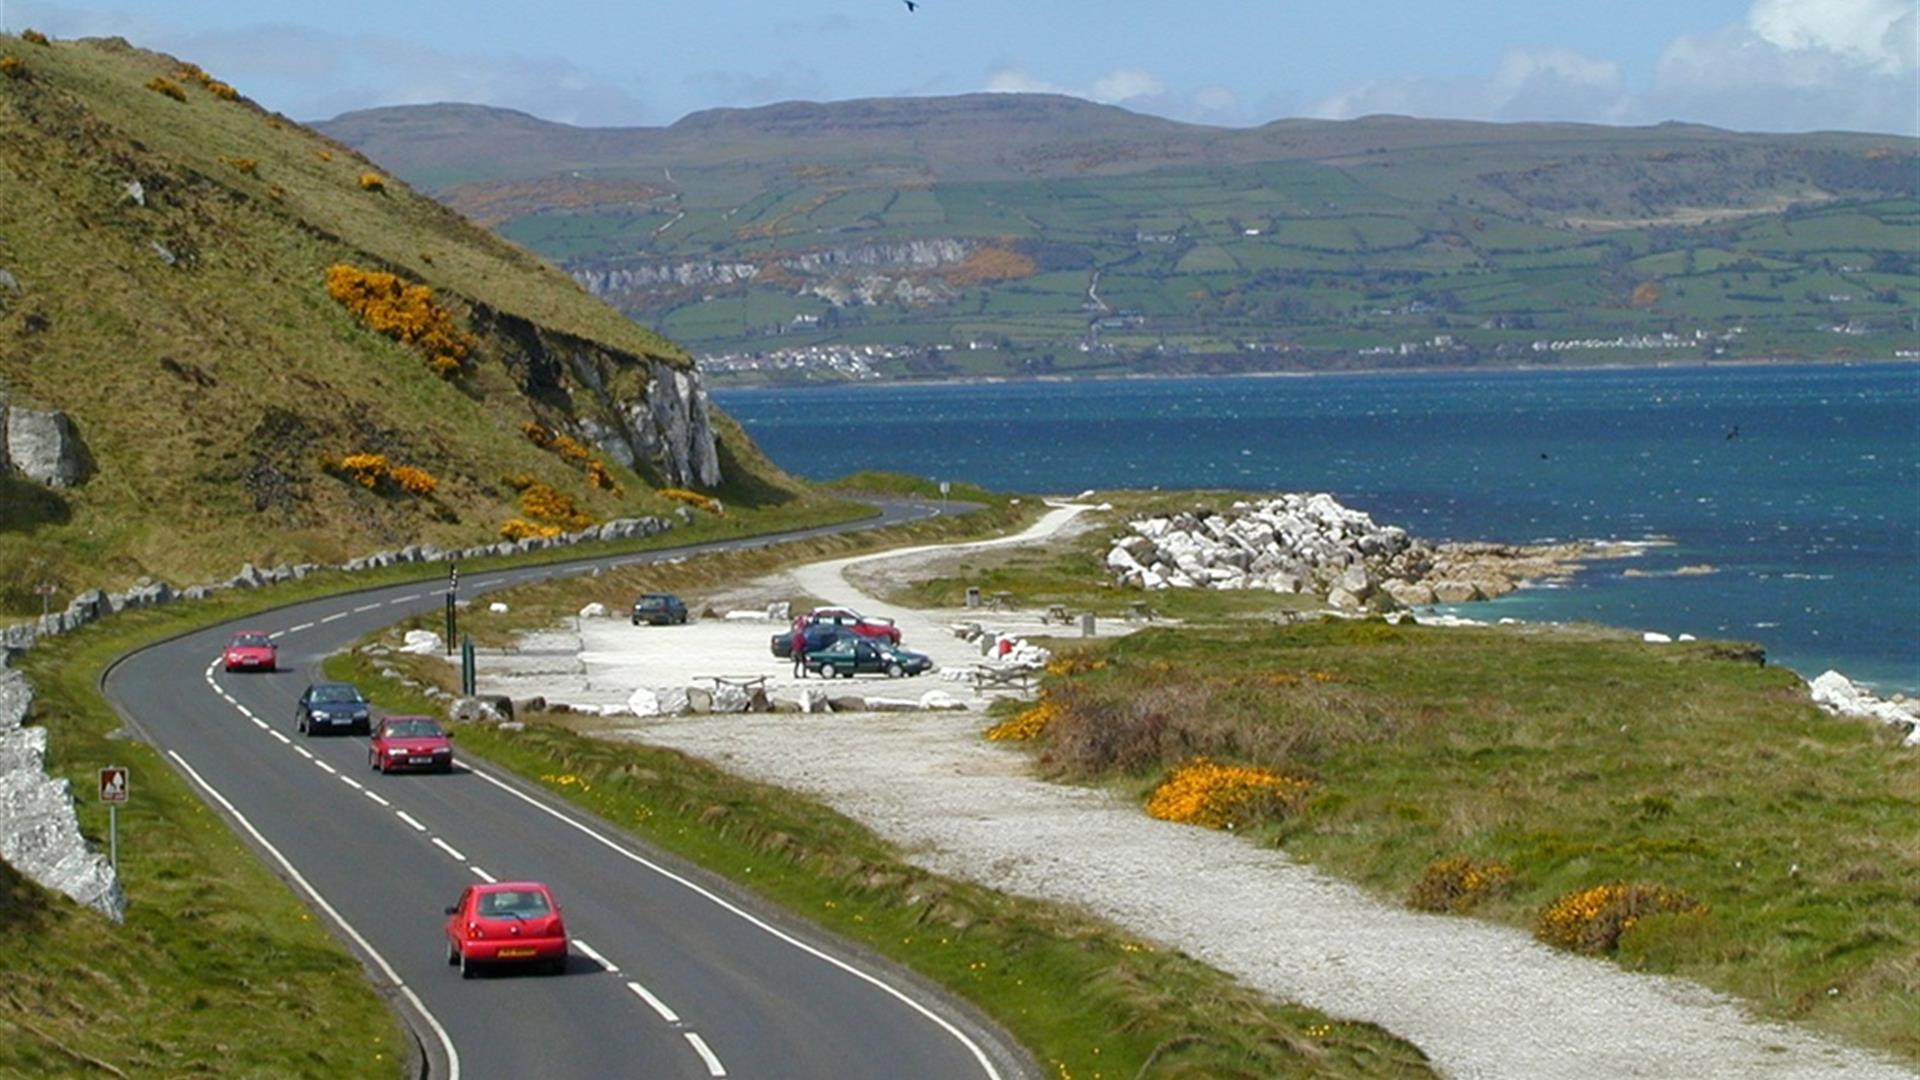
x=403 y=311
x=598 y=475
x=250 y=166
x=13 y=67
x=1027 y=725
x=537 y=434
x=372 y=181
x=367 y=470
x=1593 y=919
x=522 y=529
x=221 y=90
x=574 y=452
x=323 y=155
x=161 y=85
x=571 y=449
x=693 y=499
x=34 y=37
x=1073 y=665
x=276 y=193
x=1217 y=796
x=414 y=481
x=1458 y=884
x=545 y=505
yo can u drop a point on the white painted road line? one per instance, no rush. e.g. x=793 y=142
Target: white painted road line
x=714 y=1068
x=244 y=711
x=411 y=820
x=449 y=849
x=375 y=797
x=409 y=598
x=593 y=954
x=297 y=629
x=483 y=875
x=335 y=617
x=364 y=607
x=413 y=999
x=303 y=752
x=259 y=723
x=326 y=767
x=279 y=736
x=278 y=634
x=987 y=1067
x=659 y=1006
x=352 y=783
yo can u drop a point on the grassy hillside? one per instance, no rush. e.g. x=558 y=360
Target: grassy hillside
x=171 y=244
x=1090 y=239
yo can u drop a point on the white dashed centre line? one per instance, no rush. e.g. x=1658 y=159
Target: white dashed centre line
x=303 y=752
x=714 y=1068
x=365 y=607
x=593 y=954
x=259 y=723
x=297 y=629
x=409 y=819
x=659 y=1006
x=326 y=767
x=352 y=783
x=449 y=849
x=409 y=598
x=283 y=739
x=482 y=875
x=277 y=634
x=335 y=617
x=375 y=797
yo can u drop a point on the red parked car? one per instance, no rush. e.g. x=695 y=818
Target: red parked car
x=251 y=650
x=506 y=922
x=410 y=742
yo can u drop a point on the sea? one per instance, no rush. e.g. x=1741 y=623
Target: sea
x=1799 y=485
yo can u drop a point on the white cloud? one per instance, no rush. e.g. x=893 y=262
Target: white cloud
x=1119 y=85
x=1126 y=84
x=1788 y=65
x=1008 y=80
x=1216 y=99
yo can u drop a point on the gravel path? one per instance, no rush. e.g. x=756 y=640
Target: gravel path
x=1482 y=1000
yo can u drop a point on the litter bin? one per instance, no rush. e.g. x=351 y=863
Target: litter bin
x=973 y=596
x=1086 y=624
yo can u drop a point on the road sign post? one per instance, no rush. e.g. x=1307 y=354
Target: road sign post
x=453 y=618
x=45 y=591
x=114 y=789
x=945 y=487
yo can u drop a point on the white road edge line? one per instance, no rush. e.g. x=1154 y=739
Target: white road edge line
x=410 y=819
x=979 y=1055
x=413 y=999
x=482 y=874
x=593 y=954
x=375 y=797
x=278 y=634
x=259 y=723
x=714 y=1068
x=449 y=849
x=659 y=1006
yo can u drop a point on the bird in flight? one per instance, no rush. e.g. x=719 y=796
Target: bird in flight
x=912 y=6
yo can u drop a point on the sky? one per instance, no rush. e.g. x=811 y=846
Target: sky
x=1756 y=65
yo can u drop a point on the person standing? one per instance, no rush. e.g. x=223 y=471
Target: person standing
x=799 y=652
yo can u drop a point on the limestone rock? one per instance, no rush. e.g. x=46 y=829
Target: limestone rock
x=1839 y=695
x=941 y=701
x=46 y=447
x=814 y=699
x=595 y=610
x=422 y=643
x=728 y=698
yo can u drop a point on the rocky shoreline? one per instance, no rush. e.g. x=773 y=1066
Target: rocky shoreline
x=1300 y=543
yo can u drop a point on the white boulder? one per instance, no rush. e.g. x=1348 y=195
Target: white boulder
x=1655 y=637
x=497 y=608
x=728 y=698
x=1839 y=695
x=941 y=701
x=422 y=642
x=595 y=610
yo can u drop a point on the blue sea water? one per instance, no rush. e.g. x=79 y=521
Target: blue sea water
x=1800 y=484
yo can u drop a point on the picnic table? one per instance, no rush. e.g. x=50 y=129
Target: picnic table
x=990 y=677
x=1056 y=613
x=1139 y=611
x=1002 y=601
x=749 y=683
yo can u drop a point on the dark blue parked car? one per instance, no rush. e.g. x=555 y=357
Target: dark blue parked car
x=333 y=706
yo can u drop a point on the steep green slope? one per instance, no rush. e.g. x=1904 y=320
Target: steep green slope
x=993 y=233
x=169 y=245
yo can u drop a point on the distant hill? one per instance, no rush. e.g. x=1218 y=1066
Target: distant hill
x=176 y=272
x=1006 y=233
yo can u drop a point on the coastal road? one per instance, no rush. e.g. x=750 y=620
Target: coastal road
x=674 y=974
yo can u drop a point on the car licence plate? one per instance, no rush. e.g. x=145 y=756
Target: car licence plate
x=515 y=954
x=420 y=761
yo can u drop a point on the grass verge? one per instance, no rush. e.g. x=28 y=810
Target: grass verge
x=1575 y=757
x=1088 y=1000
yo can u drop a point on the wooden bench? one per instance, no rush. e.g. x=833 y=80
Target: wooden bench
x=987 y=679
x=749 y=683
x=1139 y=611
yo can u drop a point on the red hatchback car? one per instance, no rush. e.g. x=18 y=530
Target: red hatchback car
x=506 y=922
x=410 y=742
x=868 y=626
x=251 y=650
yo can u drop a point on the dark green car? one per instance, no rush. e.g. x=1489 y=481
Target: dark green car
x=852 y=656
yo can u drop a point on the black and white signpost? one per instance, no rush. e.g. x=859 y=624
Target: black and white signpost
x=453 y=592
x=114 y=790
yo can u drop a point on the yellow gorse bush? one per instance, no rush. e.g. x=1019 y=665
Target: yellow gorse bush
x=1458 y=884
x=13 y=67
x=161 y=85
x=250 y=166
x=1206 y=792
x=1026 y=725
x=693 y=499
x=367 y=470
x=1593 y=919
x=34 y=37
x=522 y=529
x=598 y=475
x=549 y=507
x=372 y=181
x=573 y=452
x=414 y=481
x=374 y=472
x=403 y=311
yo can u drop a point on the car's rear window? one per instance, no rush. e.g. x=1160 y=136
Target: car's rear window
x=510 y=903
x=652 y=603
x=412 y=729
x=337 y=695
x=251 y=641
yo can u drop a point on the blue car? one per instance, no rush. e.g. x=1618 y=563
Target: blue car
x=333 y=706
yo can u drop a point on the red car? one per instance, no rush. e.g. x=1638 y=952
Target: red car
x=410 y=742
x=251 y=650
x=864 y=625
x=506 y=922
